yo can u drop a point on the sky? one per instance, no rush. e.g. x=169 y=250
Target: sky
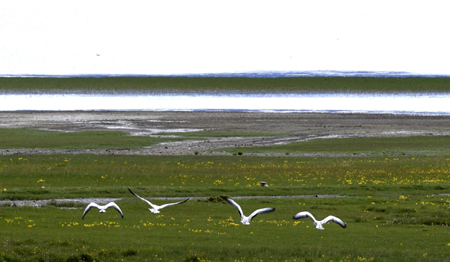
x=191 y=37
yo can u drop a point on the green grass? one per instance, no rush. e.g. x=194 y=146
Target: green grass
x=393 y=208
x=411 y=144
x=396 y=207
x=222 y=84
x=30 y=138
x=35 y=138
x=386 y=227
x=73 y=176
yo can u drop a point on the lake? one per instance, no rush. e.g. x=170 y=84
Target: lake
x=398 y=103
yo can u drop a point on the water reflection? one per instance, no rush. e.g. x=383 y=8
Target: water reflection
x=382 y=103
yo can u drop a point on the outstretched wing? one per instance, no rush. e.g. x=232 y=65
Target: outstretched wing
x=261 y=211
x=172 y=204
x=304 y=214
x=236 y=205
x=335 y=220
x=115 y=206
x=143 y=199
x=91 y=205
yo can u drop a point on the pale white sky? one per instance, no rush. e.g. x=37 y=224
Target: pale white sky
x=182 y=37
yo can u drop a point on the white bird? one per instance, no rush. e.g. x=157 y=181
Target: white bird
x=319 y=224
x=102 y=209
x=263 y=184
x=246 y=220
x=156 y=208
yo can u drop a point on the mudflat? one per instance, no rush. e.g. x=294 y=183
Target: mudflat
x=283 y=127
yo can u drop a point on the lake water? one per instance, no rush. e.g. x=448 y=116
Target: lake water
x=325 y=102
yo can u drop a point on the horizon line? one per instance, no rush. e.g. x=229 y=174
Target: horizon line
x=251 y=74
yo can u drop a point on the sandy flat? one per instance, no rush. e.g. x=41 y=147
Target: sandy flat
x=289 y=127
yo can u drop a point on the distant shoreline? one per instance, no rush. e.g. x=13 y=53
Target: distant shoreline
x=223 y=84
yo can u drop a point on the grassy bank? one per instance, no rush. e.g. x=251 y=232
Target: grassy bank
x=222 y=84
x=395 y=208
x=355 y=146
x=31 y=138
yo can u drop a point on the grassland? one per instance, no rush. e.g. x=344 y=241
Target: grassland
x=402 y=228
x=30 y=138
x=396 y=207
x=222 y=84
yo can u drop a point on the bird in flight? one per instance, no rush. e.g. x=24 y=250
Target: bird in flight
x=102 y=209
x=319 y=224
x=244 y=219
x=156 y=208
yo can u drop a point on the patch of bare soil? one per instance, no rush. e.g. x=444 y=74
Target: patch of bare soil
x=286 y=127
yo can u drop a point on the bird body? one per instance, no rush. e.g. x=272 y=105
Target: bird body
x=263 y=184
x=244 y=219
x=102 y=209
x=155 y=208
x=319 y=224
